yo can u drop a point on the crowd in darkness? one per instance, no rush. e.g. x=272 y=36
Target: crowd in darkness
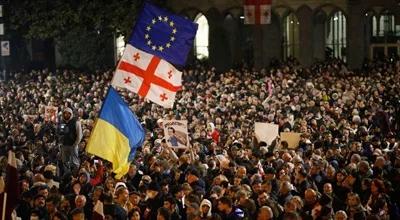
x=347 y=164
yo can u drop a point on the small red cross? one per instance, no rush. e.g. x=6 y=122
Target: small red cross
x=136 y=57
x=170 y=74
x=163 y=97
x=127 y=80
x=266 y=13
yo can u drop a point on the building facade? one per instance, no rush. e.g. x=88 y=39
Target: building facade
x=309 y=30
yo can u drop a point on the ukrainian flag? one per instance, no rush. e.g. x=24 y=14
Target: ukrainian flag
x=117 y=133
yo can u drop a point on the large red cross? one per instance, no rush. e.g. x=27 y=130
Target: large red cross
x=148 y=76
x=257 y=5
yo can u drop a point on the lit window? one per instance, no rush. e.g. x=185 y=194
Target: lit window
x=336 y=36
x=291 y=36
x=201 y=40
x=374 y=26
x=119 y=46
x=386 y=24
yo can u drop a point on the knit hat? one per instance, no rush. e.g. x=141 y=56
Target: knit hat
x=270 y=170
x=119 y=184
x=69 y=110
x=153 y=186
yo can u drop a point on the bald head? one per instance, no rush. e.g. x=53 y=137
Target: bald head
x=286 y=187
x=310 y=196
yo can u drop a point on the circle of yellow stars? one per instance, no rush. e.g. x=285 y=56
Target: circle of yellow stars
x=171 y=39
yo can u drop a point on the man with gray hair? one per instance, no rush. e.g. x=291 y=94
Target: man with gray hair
x=265 y=213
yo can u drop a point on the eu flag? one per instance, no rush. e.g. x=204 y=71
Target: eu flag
x=117 y=133
x=163 y=34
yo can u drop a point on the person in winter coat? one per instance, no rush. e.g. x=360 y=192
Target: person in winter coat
x=205 y=207
x=70 y=133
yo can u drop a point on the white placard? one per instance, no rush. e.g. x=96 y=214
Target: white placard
x=266 y=132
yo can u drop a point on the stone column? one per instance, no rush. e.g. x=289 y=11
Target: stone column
x=218 y=45
x=258 y=46
x=318 y=36
x=304 y=15
x=355 y=37
x=272 y=41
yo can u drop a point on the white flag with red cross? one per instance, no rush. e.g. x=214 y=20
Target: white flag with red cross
x=160 y=41
x=257 y=11
x=148 y=75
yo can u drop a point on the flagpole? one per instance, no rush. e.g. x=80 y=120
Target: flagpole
x=3 y=217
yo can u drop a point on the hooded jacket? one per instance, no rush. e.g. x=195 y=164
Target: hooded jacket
x=71 y=130
x=208 y=203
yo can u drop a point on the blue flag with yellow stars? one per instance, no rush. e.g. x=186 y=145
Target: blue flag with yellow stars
x=163 y=34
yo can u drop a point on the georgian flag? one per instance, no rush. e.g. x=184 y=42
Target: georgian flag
x=257 y=11
x=148 y=76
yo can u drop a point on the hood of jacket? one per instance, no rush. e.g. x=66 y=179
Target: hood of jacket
x=208 y=203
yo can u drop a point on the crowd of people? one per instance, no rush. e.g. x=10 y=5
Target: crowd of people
x=347 y=164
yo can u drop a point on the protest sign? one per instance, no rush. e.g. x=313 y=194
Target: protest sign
x=176 y=133
x=291 y=138
x=50 y=113
x=266 y=132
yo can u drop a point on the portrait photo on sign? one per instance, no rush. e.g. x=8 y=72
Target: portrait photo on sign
x=176 y=133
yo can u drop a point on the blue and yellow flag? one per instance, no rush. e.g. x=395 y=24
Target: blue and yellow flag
x=117 y=133
x=163 y=34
